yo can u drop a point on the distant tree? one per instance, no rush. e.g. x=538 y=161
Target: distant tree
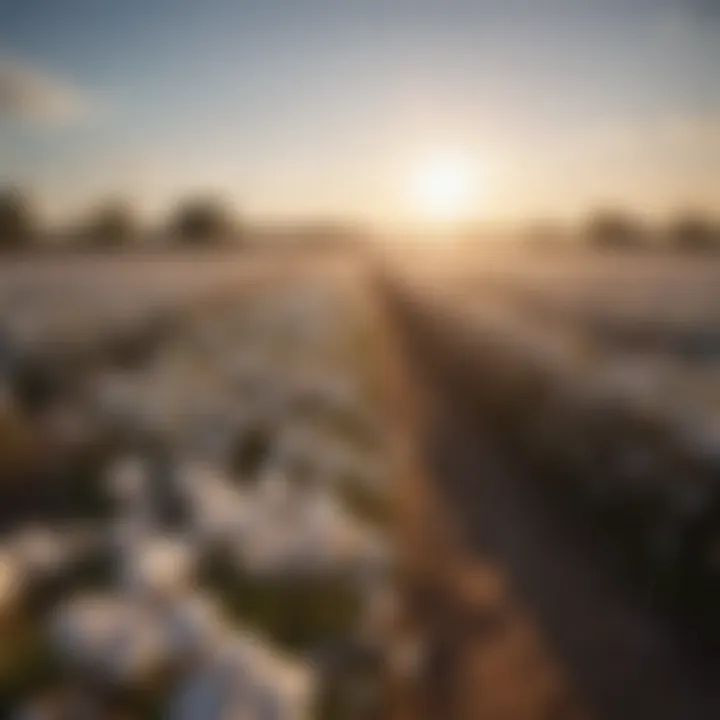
x=613 y=229
x=111 y=225
x=693 y=232
x=16 y=220
x=200 y=221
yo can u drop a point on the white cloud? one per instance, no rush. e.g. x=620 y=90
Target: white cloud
x=27 y=94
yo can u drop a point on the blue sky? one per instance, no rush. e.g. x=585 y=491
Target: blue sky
x=307 y=108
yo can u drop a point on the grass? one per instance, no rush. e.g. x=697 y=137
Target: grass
x=314 y=616
x=297 y=613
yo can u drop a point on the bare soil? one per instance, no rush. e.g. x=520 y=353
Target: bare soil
x=519 y=610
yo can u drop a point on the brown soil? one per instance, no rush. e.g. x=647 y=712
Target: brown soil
x=518 y=613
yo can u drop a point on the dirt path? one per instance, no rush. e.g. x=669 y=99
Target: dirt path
x=520 y=611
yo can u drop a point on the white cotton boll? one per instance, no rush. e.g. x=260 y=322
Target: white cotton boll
x=41 y=552
x=298 y=541
x=158 y=568
x=263 y=682
x=340 y=540
x=321 y=508
x=225 y=520
x=81 y=627
x=296 y=685
x=109 y=638
x=313 y=534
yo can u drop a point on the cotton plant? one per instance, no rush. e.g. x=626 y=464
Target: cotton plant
x=303 y=531
x=245 y=678
x=155 y=619
x=128 y=638
x=33 y=555
x=276 y=526
x=156 y=568
x=206 y=394
x=129 y=630
x=43 y=552
x=107 y=638
x=219 y=510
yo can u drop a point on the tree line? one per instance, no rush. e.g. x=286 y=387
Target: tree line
x=195 y=221
x=206 y=221
x=689 y=231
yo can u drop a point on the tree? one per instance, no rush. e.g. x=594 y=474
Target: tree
x=693 y=232
x=111 y=225
x=16 y=222
x=613 y=229
x=200 y=221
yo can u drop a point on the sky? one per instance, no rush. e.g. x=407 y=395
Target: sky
x=304 y=109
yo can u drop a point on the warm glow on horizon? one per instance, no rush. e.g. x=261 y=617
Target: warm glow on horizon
x=445 y=188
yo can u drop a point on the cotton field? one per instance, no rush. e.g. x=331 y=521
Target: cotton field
x=600 y=375
x=196 y=528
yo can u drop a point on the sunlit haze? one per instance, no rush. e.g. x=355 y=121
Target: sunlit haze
x=359 y=359
x=445 y=188
x=311 y=109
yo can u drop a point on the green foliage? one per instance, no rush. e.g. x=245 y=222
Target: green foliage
x=315 y=615
x=297 y=612
x=27 y=664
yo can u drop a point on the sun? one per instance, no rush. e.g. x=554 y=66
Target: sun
x=444 y=187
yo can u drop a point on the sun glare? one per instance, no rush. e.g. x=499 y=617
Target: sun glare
x=444 y=188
